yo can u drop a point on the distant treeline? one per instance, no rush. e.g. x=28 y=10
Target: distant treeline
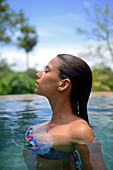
x=102 y=79
x=24 y=82
x=17 y=83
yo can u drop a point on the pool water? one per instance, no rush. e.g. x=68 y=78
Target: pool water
x=19 y=112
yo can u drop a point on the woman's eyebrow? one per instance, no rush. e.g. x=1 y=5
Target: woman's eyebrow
x=48 y=67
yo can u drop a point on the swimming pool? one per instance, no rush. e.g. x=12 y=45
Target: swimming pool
x=18 y=112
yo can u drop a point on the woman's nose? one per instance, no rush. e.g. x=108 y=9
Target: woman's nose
x=39 y=74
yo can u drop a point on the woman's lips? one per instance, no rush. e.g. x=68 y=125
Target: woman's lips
x=36 y=83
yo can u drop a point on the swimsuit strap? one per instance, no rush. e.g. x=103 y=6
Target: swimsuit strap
x=76 y=160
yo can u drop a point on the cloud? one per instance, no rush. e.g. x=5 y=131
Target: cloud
x=15 y=57
x=40 y=57
x=42 y=54
x=43 y=33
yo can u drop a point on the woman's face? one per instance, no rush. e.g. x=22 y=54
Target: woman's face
x=48 y=79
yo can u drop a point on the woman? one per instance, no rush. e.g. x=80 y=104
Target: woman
x=66 y=82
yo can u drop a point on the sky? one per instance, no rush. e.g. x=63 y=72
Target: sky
x=56 y=23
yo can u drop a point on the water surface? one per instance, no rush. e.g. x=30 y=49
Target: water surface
x=19 y=112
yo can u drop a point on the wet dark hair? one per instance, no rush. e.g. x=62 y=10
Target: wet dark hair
x=80 y=75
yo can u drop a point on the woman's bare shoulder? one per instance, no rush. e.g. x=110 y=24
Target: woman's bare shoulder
x=40 y=125
x=81 y=131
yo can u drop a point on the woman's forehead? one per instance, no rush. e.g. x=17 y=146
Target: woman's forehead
x=54 y=62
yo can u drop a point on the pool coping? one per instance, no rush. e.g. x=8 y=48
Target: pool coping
x=102 y=93
x=35 y=96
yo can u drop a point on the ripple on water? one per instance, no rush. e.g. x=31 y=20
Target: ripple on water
x=17 y=115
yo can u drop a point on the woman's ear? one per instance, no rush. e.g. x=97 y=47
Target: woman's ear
x=64 y=84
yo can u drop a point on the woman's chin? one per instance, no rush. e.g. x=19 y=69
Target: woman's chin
x=36 y=91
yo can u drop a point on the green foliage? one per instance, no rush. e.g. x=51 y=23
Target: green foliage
x=31 y=73
x=4 y=67
x=10 y=21
x=28 y=38
x=17 y=83
x=102 y=79
x=100 y=29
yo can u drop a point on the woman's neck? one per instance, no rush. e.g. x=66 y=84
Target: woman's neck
x=62 y=110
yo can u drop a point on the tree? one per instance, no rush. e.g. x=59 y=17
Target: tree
x=27 y=40
x=10 y=21
x=4 y=67
x=101 y=30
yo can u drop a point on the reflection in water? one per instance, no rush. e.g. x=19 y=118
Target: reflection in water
x=17 y=114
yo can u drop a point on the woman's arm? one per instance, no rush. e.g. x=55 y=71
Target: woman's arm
x=96 y=157
x=88 y=147
x=84 y=156
x=91 y=156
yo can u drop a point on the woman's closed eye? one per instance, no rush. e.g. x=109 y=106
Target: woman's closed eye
x=46 y=71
